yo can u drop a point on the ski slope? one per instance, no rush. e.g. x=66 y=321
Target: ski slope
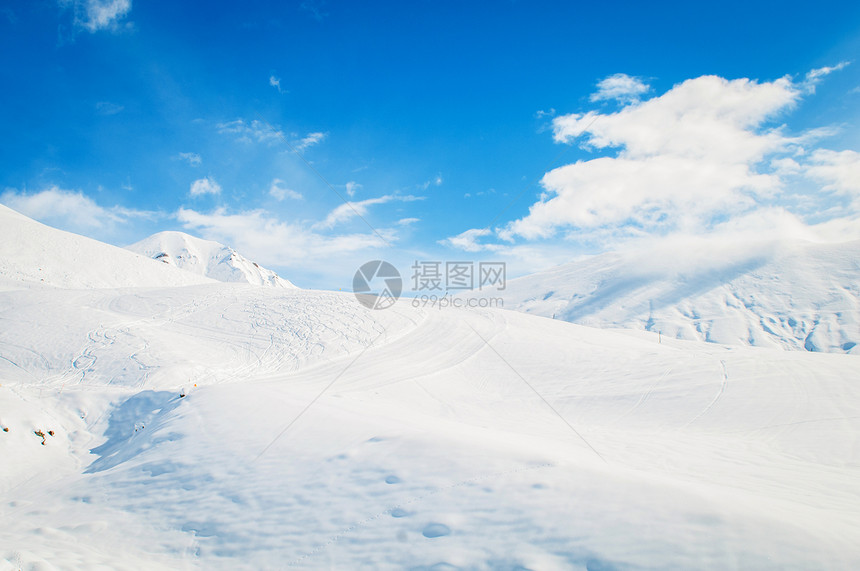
x=425 y=443
x=792 y=295
x=206 y=258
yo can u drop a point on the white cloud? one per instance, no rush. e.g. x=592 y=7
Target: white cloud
x=309 y=140
x=95 y=15
x=681 y=158
x=247 y=132
x=435 y=181
x=619 y=87
x=279 y=192
x=69 y=209
x=814 y=77
x=276 y=83
x=407 y=221
x=351 y=188
x=349 y=210
x=271 y=241
x=697 y=159
x=468 y=240
x=259 y=132
x=192 y=159
x=203 y=186
x=840 y=171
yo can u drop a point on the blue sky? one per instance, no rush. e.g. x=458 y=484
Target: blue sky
x=529 y=132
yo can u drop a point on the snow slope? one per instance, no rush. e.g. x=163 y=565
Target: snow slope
x=798 y=296
x=228 y=426
x=206 y=258
x=317 y=433
x=35 y=255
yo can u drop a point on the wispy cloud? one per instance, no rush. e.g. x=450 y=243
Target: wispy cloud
x=193 y=159
x=249 y=131
x=314 y=8
x=347 y=211
x=435 y=181
x=469 y=240
x=351 y=188
x=255 y=131
x=276 y=83
x=619 y=87
x=203 y=186
x=95 y=15
x=279 y=192
x=814 y=77
x=70 y=210
x=838 y=170
x=275 y=242
x=309 y=140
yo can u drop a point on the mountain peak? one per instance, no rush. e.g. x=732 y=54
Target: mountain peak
x=206 y=258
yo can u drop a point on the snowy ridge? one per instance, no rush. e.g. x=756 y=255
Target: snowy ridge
x=797 y=295
x=206 y=258
x=35 y=255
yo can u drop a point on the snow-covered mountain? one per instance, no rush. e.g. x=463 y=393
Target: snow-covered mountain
x=34 y=255
x=206 y=258
x=795 y=295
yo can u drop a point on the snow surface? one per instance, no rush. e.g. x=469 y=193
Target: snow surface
x=797 y=295
x=317 y=433
x=206 y=258
x=33 y=255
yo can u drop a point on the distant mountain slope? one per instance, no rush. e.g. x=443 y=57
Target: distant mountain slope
x=206 y=258
x=798 y=295
x=32 y=254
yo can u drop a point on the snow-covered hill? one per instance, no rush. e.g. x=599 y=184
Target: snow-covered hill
x=317 y=433
x=227 y=426
x=796 y=295
x=206 y=258
x=34 y=255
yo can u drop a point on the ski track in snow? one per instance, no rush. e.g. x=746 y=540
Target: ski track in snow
x=723 y=384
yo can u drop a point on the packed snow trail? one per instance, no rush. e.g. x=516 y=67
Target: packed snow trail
x=426 y=448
